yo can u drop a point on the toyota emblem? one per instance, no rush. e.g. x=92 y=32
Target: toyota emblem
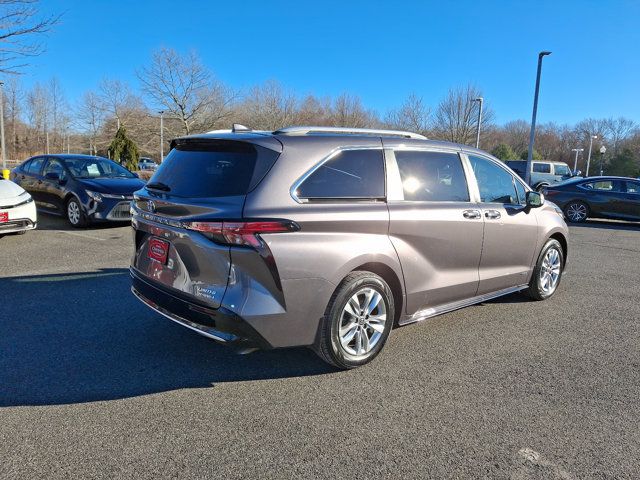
x=151 y=206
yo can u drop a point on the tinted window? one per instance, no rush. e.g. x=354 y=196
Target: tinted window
x=541 y=167
x=603 y=186
x=633 y=187
x=54 y=166
x=213 y=168
x=494 y=182
x=34 y=166
x=350 y=174
x=432 y=176
x=522 y=193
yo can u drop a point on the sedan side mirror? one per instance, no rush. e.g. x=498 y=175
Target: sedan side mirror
x=534 y=199
x=52 y=176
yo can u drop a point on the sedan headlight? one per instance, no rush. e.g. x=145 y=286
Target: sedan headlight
x=94 y=195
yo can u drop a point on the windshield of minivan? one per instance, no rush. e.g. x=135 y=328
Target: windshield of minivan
x=96 y=168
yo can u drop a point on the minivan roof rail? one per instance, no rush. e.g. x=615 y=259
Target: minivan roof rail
x=348 y=131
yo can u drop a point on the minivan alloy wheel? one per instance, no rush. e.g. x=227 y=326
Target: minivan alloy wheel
x=550 y=270
x=362 y=322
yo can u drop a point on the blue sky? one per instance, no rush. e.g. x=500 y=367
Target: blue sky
x=381 y=51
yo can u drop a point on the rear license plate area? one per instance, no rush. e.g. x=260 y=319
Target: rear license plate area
x=158 y=250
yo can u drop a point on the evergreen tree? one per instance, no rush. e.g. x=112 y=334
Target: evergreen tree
x=504 y=152
x=124 y=150
x=535 y=156
x=623 y=165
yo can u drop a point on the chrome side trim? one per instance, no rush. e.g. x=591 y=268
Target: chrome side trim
x=202 y=330
x=333 y=153
x=449 y=307
x=305 y=130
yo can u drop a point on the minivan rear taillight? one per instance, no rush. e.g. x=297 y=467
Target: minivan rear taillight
x=241 y=233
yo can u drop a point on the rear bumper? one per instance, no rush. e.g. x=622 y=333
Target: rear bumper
x=220 y=324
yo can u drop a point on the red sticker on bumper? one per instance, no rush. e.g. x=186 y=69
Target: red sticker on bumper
x=158 y=250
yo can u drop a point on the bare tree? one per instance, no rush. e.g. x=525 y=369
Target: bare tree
x=186 y=90
x=413 y=115
x=269 y=107
x=20 y=24
x=13 y=97
x=348 y=111
x=457 y=115
x=618 y=130
x=91 y=118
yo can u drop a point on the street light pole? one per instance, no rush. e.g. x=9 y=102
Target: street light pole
x=4 y=152
x=161 y=112
x=480 y=100
x=603 y=150
x=591 y=137
x=575 y=163
x=532 y=133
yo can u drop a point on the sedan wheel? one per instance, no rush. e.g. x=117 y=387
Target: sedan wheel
x=75 y=215
x=576 y=212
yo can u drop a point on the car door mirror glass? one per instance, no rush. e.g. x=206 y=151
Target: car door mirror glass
x=534 y=199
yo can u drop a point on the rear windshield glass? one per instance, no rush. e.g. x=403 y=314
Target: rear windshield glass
x=213 y=169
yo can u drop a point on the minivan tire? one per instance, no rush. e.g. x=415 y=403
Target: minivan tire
x=359 y=284
x=536 y=288
x=81 y=218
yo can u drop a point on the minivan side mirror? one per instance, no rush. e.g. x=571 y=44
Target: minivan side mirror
x=534 y=199
x=52 y=176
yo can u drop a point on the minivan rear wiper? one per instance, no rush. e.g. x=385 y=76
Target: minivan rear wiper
x=159 y=186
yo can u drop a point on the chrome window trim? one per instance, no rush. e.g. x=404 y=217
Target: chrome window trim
x=419 y=148
x=332 y=154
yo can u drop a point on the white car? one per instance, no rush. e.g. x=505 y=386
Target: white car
x=17 y=209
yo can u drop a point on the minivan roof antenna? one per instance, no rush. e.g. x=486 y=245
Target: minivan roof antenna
x=236 y=127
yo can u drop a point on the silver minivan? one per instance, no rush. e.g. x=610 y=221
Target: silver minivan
x=329 y=237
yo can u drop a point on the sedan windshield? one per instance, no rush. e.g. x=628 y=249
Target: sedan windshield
x=96 y=168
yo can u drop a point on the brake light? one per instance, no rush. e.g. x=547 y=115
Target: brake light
x=242 y=233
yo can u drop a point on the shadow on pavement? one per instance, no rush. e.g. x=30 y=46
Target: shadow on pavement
x=83 y=337
x=608 y=225
x=49 y=221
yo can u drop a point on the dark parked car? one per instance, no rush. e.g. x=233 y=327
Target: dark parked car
x=597 y=197
x=83 y=188
x=328 y=237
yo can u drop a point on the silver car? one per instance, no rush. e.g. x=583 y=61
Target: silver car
x=328 y=237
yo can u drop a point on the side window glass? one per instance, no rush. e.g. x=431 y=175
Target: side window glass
x=633 y=187
x=603 y=186
x=432 y=176
x=542 y=167
x=357 y=174
x=494 y=182
x=522 y=193
x=34 y=166
x=54 y=166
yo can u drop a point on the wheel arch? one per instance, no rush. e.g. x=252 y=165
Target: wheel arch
x=563 y=242
x=391 y=277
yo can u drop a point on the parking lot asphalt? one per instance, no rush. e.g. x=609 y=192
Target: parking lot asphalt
x=93 y=384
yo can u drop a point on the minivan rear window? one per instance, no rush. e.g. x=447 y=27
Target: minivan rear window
x=198 y=169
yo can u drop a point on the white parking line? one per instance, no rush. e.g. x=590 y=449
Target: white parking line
x=78 y=234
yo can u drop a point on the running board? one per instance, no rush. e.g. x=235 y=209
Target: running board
x=449 y=307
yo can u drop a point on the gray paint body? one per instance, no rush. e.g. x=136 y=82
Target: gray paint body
x=429 y=253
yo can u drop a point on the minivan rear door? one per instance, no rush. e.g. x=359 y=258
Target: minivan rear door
x=202 y=181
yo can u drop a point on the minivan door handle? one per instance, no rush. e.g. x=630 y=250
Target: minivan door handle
x=471 y=214
x=492 y=214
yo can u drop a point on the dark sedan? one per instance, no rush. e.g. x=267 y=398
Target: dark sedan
x=82 y=188
x=597 y=197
